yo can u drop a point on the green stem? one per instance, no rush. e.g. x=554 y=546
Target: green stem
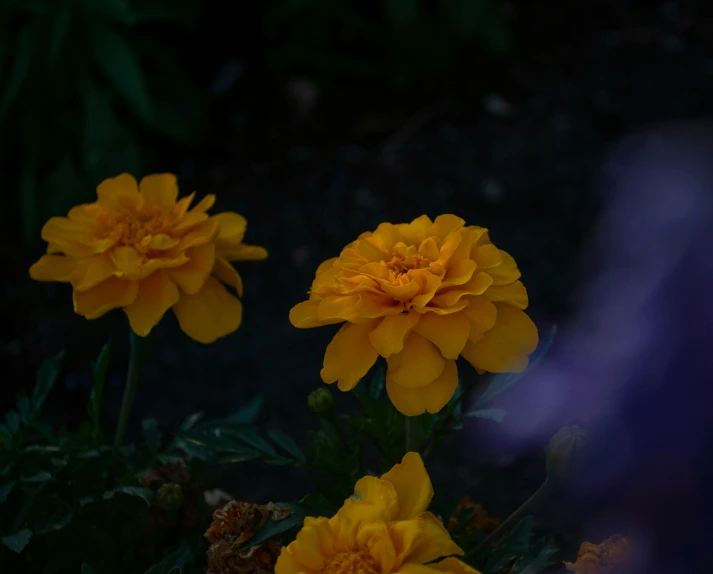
x=410 y=428
x=132 y=381
x=528 y=507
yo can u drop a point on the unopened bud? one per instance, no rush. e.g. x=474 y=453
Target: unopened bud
x=170 y=496
x=320 y=400
x=565 y=451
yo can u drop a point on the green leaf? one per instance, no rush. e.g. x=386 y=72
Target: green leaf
x=23 y=408
x=117 y=60
x=144 y=493
x=22 y=60
x=275 y=527
x=536 y=559
x=285 y=442
x=172 y=563
x=152 y=436
x=5 y=490
x=493 y=414
x=376 y=388
x=248 y=412
x=42 y=476
x=17 y=541
x=504 y=381
x=190 y=421
x=99 y=372
x=253 y=439
x=45 y=381
x=58 y=34
x=215 y=438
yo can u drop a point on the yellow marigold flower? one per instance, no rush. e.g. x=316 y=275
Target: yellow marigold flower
x=606 y=558
x=420 y=294
x=383 y=528
x=141 y=248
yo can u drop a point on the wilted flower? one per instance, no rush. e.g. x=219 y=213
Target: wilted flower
x=420 y=294
x=384 y=527
x=479 y=519
x=320 y=400
x=140 y=248
x=565 y=451
x=609 y=557
x=235 y=524
x=176 y=494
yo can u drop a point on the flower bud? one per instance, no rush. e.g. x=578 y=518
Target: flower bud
x=565 y=451
x=170 y=496
x=320 y=400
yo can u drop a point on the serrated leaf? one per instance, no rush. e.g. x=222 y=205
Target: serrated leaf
x=45 y=381
x=286 y=442
x=275 y=527
x=144 y=493
x=248 y=412
x=22 y=60
x=250 y=436
x=5 y=490
x=172 y=563
x=493 y=414
x=152 y=436
x=238 y=457
x=99 y=372
x=17 y=541
x=118 y=62
x=215 y=438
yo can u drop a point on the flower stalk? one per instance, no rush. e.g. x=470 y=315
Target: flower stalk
x=410 y=438
x=527 y=507
x=132 y=381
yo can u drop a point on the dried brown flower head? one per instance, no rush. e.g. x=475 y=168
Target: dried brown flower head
x=606 y=558
x=479 y=519
x=233 y=525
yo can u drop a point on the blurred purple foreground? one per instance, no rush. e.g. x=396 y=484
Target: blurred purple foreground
x=636 y=361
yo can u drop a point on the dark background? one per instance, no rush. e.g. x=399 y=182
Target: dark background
x=317 y=121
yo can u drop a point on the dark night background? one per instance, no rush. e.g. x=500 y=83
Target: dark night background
x=319 y=124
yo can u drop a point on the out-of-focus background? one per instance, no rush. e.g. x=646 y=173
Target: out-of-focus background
x=317 y=121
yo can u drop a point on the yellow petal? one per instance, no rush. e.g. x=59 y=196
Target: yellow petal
x=62 y=230
x=482 y=315
x=445 y=224
x=373 y=499
x=340 y=307
x=232 y=228
x=209 y=314
x=91 y=271
x=109 y=294
x=204 y=204
x=429 y=249
x=506 y=272
x=119 y=192
x=412 y=485
x=460 y=272
x=349 y=355
x=199 y=234
x=448 y=332
x=418 y=364
x=305 y=315
x=161 y=242
x=421 y=540
x=414 y=401
x=487 y=256
x=514 y=294
x=244 y=252
x=328 y=264
x=182 y=205
x=192 y=276
x=414 y=232
x=475 y=286
x=128 y=262
x=313 y=544
x=191 y=220
x=375 y=537
x=157 y=294
x=389 y=336
x=223 y=271
x=505 y=348
x=53 y=268
x=159 y=189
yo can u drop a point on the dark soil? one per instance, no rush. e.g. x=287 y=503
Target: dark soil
x=519 y=149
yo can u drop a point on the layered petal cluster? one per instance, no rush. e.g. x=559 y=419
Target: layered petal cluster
x=613 y=555
x=420 y=294
x=140 y=248
x=383 y=528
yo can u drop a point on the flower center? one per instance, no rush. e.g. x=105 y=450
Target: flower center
x=141 y=231
x=352 y=562
x=404 y=258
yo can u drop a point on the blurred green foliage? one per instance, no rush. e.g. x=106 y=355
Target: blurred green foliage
x=399 y=41
x=82 y=84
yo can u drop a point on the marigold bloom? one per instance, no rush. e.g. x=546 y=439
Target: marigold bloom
x=606 y=558
x=141 y=248
x=383 y=528
x=420 y=294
